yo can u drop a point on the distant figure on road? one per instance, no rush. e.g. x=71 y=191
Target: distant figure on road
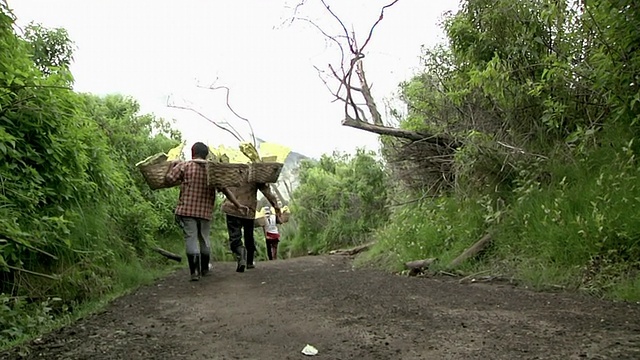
x=195 y=207
x=239 y=220
x=271 y=233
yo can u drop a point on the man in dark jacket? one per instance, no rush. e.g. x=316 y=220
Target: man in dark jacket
x=239 y=219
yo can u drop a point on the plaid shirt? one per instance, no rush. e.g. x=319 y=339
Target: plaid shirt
x=196 y=197
x=246 y=195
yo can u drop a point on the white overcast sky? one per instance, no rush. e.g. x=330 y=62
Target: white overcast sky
x=151 y=49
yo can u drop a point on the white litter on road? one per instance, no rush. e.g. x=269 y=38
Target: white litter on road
x=310 y=350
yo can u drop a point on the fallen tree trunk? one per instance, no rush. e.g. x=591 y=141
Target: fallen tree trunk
x=472 y=251
x=168 y=254
x=355 y=250
x=419 y=264
x=417 y=267
x=399 y=133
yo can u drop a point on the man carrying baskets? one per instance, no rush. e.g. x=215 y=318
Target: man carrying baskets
x=239 y=220
x=195 y=207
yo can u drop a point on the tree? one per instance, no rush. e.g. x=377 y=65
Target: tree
x=340 y=200
x=51 y=49
x=73 y=208
x=353 y=89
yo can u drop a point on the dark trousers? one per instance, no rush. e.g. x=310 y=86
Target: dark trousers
x=272 y=249
x=235 y=226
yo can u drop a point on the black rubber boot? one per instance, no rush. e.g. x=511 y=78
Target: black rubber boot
x=241 y=255
x=250 y=258
x=204 y=264
x=194 y=266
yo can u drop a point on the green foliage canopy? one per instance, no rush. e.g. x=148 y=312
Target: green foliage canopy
x=340 y=200
x=75 y=213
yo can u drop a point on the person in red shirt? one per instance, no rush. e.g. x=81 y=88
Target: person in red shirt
x=195 y=207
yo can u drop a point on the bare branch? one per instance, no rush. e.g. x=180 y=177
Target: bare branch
x=400 y=133
x=366 y=92
x=228 y=91
x=29 y=246
x=343 y=81
x=520 y=151
x=295 y=13
x=237 y=136
x=346 y=92
x=425 y=194
x=344 y=28
x=329 y=37
x=377 y=22
x=347 y=80
x=33 y=272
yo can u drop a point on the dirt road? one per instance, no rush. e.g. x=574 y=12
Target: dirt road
x=273 y=311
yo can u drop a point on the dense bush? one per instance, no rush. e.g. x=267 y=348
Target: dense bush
x=76 y=219
x=339 y=201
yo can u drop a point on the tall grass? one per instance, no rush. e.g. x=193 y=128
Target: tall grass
x=579 y=229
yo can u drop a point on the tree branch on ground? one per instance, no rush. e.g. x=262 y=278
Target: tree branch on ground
x=51 y=277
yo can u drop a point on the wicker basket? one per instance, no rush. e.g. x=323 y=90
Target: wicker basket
x=265 y=172
x=284 y=217
x=260 y=222
x=227 y=175
x=154 y=169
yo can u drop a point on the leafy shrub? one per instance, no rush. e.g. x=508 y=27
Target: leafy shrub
x=77 y=221
x=340 y=200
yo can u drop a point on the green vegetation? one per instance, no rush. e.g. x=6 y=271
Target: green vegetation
x=339 y=200
x=544 y=98
x=537 y=104
x=535 y=108
x=77 y=222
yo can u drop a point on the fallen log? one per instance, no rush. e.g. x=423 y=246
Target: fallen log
x=417 y=267
x=419 y=264
x=472 y=251
x=352 y=251
x=439 y=140
x=168 y=254
x=52 y=277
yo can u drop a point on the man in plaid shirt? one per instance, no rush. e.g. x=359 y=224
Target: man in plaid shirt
x=195 y=207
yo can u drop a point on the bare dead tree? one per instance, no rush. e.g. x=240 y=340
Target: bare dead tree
x=360 y=109
x=422 y=161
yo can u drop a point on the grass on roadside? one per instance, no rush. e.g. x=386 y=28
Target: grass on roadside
x=38 y=319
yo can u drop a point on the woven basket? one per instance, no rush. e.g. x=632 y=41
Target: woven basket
x=260 y=222
x=226 y=174
x=284 y=217
x=154 y=169
x=265 y=172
